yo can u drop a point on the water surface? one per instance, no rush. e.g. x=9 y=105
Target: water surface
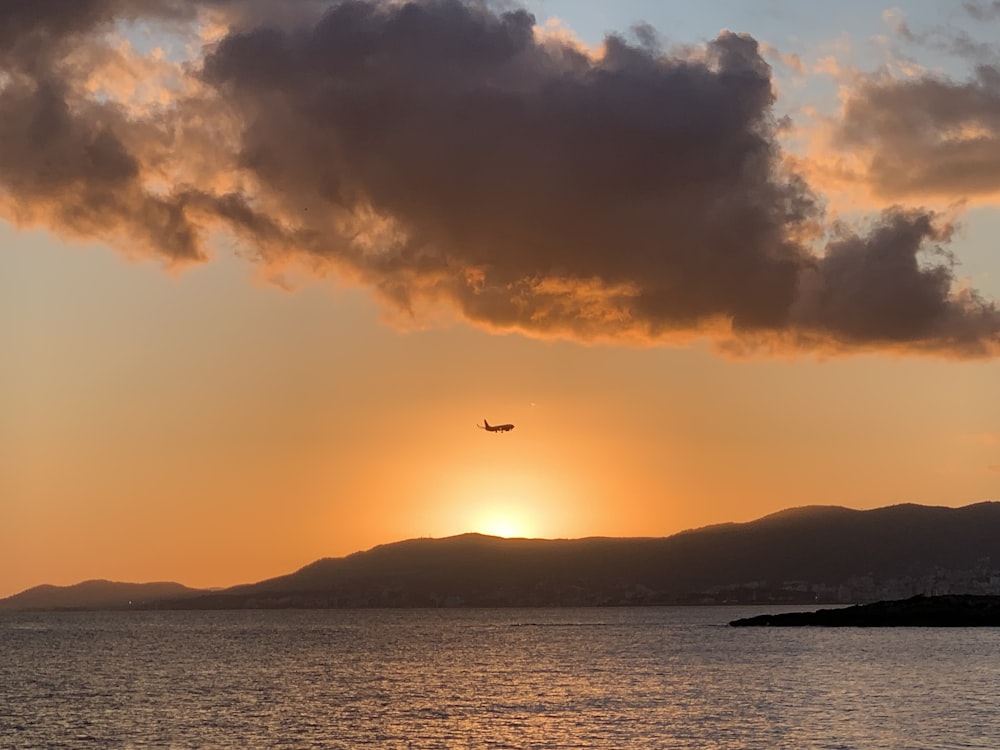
x=555 y=678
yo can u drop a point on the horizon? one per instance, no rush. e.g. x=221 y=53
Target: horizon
x=712 y=263
x=485 y=536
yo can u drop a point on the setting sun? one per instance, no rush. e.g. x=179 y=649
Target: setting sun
x=523 y=499
x=499 y=524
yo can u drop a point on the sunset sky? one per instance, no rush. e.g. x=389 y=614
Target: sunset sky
x=263 y=267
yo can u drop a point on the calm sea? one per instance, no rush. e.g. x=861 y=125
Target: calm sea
x=580 y=678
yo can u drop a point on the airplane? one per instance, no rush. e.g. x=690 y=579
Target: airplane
x=495 y=427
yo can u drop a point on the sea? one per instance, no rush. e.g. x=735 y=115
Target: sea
x=609 y=678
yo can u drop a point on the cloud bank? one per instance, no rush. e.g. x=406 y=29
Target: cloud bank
x=927 y=136
x=446 y=152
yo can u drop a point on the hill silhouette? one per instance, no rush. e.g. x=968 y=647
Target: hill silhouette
x=809 y=554
x=824 y=545
x=97 y=594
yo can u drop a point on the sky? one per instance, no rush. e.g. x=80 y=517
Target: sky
x=262 y=272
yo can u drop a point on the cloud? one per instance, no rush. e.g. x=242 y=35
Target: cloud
x=982 y=11
x=927 y=136
x=444 y=152
x=912 y=134
x=529 y=163
x=792 y=61
x=893 y=285
x=949 y=37
x=906 y=133
x=64 y=158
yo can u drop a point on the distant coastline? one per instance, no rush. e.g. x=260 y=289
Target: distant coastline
x=813 y=556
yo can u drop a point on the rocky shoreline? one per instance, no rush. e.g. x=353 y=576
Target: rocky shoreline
x=953 y=611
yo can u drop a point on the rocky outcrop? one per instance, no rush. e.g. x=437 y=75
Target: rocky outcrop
x=918 y=611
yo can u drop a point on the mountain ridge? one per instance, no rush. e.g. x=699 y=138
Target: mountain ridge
x=808 y=553
x=97 y=593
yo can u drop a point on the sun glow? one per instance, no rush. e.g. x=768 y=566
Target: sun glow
x=501 y=523
x=515 y=504
x=525 y=488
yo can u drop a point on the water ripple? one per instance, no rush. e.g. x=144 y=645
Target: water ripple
x=622 y=678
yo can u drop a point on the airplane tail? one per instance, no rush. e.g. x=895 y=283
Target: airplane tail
x=486 y=424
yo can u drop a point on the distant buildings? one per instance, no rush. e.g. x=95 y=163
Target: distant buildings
x=981 y=579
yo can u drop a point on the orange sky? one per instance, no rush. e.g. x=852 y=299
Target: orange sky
x=221 y=422
x=211 y=430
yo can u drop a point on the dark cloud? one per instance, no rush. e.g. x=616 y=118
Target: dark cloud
x=442 y=151
x=541 y=189
x=893 y=285
x=71 y=169
x=34 y=29
x=982 y=11
x=529 y=163
x=63 y=157
x=928 y=135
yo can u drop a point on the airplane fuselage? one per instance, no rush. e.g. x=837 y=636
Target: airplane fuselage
x=497 y=427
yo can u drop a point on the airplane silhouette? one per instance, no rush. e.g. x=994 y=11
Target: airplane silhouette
x=495 y=427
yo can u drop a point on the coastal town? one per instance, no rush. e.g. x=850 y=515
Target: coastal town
x=982 y=579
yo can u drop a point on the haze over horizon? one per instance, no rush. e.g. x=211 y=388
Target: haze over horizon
x=262 y=273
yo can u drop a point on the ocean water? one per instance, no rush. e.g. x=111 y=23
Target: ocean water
x=556 y=678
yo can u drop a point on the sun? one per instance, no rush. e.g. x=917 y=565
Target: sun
x=507 y=502
x=504 y=519
x=506 y=527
